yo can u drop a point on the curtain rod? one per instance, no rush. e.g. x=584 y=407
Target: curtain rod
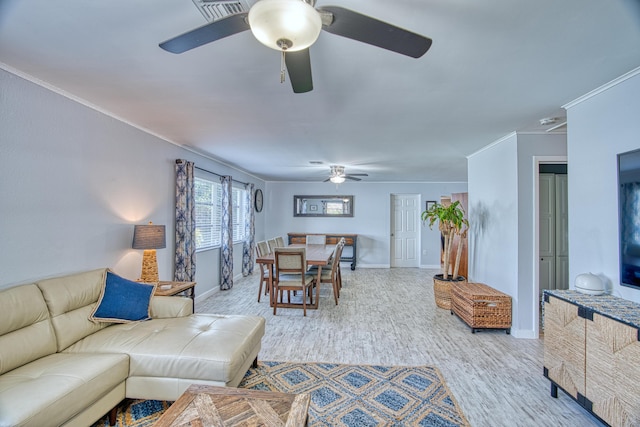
x=217 y=174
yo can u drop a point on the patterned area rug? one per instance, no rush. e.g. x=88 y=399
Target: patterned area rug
x=341 y=395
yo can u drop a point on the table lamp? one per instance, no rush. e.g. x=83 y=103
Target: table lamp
x=149 y=237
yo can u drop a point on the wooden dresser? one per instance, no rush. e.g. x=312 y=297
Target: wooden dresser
x=351 y=240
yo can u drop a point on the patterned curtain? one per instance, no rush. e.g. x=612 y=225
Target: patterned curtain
x=249 y=232
x=226 y=246
x=185 y=259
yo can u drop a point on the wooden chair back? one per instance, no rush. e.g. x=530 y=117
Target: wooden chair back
x=272 y=245
x=262 y=248
x=291 y=268
x=290 y=261
x=335 y=265
x=280 y=242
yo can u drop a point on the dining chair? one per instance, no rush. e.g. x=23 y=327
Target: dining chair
x=280 y=242
x=291 y=275
x=316 y=239
x=330 y=275
x=341 y=243
x=262 y=249
x=273 y=244
x=333 y=256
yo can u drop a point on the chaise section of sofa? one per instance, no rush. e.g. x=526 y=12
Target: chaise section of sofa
x=167 y=355
x=57 y=367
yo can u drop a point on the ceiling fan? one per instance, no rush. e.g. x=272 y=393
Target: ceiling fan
x=338 y=176
x=291 y=26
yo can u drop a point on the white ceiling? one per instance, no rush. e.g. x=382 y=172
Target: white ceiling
x=496 y=66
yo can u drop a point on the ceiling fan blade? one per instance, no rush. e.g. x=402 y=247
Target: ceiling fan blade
x=353 y=25
x=358 y=174
x=352 y=178
x=208 y=33
x=299 y=68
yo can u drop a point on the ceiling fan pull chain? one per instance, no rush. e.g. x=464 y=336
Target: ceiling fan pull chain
x=282 y=65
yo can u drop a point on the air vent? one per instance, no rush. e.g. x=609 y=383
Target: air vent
x=214 y=10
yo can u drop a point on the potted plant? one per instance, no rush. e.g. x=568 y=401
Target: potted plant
x=451 y=223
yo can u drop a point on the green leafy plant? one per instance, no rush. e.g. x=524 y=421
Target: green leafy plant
x=451 y=223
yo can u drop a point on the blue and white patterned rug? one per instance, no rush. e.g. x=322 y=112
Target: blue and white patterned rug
x=341 y=395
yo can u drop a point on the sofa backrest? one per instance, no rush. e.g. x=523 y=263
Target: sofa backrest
x=71 y=300
x=26 y=332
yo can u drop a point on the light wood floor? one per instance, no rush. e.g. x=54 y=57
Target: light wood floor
x=389 y=317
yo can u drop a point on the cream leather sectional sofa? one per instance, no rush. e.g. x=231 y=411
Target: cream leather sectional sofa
x=59 y=368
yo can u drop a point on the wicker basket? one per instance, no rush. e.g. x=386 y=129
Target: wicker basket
x=482 y=307
x=442 y=290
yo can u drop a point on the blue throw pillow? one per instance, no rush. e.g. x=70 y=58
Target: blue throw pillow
x=123 y=301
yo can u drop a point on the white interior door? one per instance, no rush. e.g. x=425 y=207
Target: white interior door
x=405 y=232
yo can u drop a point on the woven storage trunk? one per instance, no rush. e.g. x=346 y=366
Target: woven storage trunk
x=442 y=290
x=481 y=307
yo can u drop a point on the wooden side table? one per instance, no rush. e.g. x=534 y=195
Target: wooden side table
x=169 y=288
x=211 y=406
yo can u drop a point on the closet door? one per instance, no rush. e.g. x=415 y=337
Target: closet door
x=554 y=236
x=561 y=232
x=547 y=215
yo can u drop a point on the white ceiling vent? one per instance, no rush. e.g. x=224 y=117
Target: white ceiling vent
x=214 y=10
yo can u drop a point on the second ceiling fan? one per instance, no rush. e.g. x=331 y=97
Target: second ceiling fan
x=291 y=26
x=338 y=176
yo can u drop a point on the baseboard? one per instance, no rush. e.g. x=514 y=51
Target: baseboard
x=428 y=267
x=204 y=295
x=208 y=293
x=524 y=334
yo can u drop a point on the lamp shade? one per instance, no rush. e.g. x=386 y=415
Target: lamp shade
x=149 y=237
x=337 y=179
x=290 y=25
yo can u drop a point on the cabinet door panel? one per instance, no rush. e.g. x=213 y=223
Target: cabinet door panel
x=613 y=377
x=564 y=346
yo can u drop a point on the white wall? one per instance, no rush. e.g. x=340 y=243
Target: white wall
x=602 y=124
x=493 y=217
x=530 y=147
x=502 y=214
x=371 y=220
x=73 y=183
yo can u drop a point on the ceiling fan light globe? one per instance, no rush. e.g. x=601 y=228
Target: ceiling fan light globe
x=292 y=20
x=338 y=179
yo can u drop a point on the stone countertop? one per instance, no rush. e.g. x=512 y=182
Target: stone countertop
x=614 y=307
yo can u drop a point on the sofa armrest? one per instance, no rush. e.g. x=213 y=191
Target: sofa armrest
x=164 y=307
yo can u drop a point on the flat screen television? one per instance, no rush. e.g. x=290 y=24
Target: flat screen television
x=629 y=217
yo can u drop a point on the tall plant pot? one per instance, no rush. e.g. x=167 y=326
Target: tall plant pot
x=442 y=289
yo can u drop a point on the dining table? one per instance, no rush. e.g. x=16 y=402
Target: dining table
x=316 y=255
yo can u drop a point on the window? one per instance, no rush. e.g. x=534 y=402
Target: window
x=335 y=208
x=238 y=214
x=208 y=196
